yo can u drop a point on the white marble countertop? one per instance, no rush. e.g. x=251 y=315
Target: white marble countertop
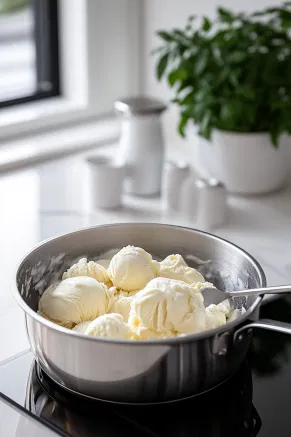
x=51 y=199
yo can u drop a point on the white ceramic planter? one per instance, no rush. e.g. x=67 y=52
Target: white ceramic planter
x=245 y=163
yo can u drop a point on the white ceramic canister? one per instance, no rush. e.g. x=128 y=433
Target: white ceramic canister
x=106 y=181
x=174 y=176
x=141 y=147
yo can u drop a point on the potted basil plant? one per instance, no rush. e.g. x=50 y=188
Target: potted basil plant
x=231 y=78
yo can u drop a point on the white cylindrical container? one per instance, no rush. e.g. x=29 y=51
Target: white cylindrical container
x=141 y=146
x=174 y=176
x=211 y=204
x=106 y=181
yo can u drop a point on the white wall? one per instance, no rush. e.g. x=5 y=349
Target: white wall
x=165 y=14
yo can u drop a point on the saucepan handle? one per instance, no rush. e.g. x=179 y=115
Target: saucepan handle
x=271 y=325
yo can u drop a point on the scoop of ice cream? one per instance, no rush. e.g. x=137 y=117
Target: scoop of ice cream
x=169 y=307
x=216 y=315
x=91 y=269
x=64 y=323
x=174 y=267
x=75 y=300
x=81 y=327
x=111 y=326
x=131 y=268
x=142 y=333
x=121 y=305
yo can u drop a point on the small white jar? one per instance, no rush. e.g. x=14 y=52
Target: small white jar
x=212 y=203
x=204 y=202
x=106 y=179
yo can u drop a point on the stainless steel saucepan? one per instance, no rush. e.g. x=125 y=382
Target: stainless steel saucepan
x=141 y=371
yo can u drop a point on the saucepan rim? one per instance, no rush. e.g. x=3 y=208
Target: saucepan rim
x=156 y=342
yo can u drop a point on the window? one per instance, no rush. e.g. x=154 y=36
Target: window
x=29 y=67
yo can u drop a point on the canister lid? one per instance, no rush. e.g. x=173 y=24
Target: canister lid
x=139 y=105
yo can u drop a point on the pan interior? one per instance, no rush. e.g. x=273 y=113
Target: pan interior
x=221 y=263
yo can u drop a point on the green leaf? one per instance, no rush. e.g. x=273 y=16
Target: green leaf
x=250 y=112
x=185 y=84
x=225 y=15
x=246 y=91
x=265 y=12
x=233 y=78
x=275 y=138
x=184 y=117
x=220 y=37
x=188 y=99
x=206 y=24
x=271 y=10
x=285 y=14
x=180 y=37
x=198 y=111
x=201 y=63
x=162 y=65
x=230 y=113
x=205 y=127
x=222 y=76
x=176 y=75
x=201 y=94
x=237 y=57
x=166 y=36
x=173 y=77
x=277 y=104
x=285 y=19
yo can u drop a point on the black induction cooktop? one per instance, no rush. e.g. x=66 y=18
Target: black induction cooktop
x=256 y=401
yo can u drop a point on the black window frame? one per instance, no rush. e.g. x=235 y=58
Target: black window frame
x=46 y=38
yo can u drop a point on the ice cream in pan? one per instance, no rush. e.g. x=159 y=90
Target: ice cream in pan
x=134 y=298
